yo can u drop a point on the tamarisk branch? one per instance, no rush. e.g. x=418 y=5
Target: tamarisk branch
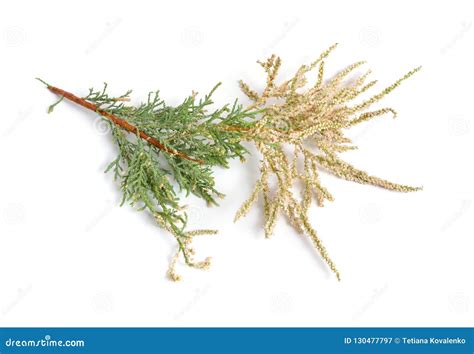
x=118 y=121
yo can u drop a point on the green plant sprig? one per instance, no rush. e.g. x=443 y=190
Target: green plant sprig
x=153 y=175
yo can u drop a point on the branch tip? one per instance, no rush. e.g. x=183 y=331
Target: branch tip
x=42 y=81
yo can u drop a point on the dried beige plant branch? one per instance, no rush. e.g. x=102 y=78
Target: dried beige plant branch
x=300 y=131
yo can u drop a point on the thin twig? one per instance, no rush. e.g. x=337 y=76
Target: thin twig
x=121 y=122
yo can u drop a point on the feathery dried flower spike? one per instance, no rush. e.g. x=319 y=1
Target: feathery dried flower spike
x=161 y=147
x=311 y=124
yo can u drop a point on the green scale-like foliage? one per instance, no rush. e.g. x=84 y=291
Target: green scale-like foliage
x=152 y=179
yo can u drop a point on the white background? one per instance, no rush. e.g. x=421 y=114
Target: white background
x=69 y=256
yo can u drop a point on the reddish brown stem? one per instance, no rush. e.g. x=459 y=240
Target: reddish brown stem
x=122 y=123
